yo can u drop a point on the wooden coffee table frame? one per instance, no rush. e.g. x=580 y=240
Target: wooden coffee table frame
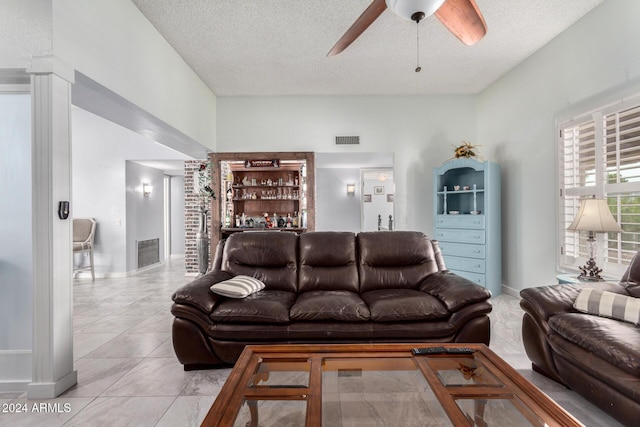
x=237 y=388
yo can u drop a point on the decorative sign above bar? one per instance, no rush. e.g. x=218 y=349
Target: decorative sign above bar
x=275 y=163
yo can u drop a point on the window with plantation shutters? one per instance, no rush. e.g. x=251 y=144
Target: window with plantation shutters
x=599 y=156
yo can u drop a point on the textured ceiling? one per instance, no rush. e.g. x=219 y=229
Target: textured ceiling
x=278 y=47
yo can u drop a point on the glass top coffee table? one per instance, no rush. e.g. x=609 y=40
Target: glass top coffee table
x=379 y=384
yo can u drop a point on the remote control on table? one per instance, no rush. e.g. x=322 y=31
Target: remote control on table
x=459 y=350
x=428 y=350
x=441 y=350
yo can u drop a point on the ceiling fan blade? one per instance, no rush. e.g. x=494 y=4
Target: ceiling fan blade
x=463 y=19
x=370 y=14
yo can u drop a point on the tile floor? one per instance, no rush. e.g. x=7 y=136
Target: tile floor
x=129 y=376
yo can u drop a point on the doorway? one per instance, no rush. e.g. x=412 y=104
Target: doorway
x=339 y=209
x=377 y=201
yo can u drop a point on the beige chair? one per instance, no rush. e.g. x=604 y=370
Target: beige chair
x=84 y=231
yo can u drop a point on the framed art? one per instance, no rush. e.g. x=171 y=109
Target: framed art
x=366 y=198
x=378 y=190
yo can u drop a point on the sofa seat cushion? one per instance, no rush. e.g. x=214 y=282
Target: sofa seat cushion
x=330 y=305
x=612 y=340
x=395 y=305
x=265 y=306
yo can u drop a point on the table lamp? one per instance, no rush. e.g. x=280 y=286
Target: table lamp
x=593 y=216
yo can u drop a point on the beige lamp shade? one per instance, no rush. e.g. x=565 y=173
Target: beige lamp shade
x=594 y=215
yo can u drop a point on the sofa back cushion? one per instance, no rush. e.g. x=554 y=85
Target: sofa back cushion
x=631 y=278
x=269 y=256
x=396 y=259
x=328 y=262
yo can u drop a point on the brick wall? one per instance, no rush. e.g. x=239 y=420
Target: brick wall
x=192 y=201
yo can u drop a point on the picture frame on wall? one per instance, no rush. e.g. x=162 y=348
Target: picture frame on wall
x=366 y=198
x=389 y=198
x=378 y=190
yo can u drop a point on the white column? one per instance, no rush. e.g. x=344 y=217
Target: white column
x=53 y=371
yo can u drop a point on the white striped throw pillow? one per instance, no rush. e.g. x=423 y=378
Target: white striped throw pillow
x=238 y=287
x=608 y=304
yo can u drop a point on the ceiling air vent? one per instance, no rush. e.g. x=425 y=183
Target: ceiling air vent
x=347 y=140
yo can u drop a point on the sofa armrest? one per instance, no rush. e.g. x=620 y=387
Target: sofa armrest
x=453 y=290
x=198 y=293
x=547 y=301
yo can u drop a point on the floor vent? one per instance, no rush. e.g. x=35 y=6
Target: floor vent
x=148 y=252
x=347 y=140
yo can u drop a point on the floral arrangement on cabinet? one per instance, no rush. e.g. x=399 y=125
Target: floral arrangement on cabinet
x=466 y=150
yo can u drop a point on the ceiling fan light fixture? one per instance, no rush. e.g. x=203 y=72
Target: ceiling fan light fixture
x=406 y=9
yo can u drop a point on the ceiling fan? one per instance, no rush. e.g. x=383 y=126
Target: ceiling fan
x=461 y=17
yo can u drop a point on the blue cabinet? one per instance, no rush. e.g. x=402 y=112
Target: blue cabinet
x=467 y=220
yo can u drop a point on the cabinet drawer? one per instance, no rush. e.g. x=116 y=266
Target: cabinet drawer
x=460 y=221
x=461 y=236
x=465 y=264
x=474 y=277
x=462 y=249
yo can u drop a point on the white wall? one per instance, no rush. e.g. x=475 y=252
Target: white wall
x=145 y=214
x=25 y=31
x=15 y=238
x=100 y=152
x=597 y=55
x=177 y=215
x=115 y=45
x=418 y=130
x=335 y=210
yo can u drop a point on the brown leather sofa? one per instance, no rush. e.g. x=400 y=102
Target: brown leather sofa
x=327 y=287
x=597 y=357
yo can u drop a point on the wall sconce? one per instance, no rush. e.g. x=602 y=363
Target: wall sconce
x=146 y=189
x=351 y=189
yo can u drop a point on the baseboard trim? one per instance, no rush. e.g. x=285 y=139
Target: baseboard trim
x=118 y=274
x=14 y=386
x=147 y=268
x=510 y=291
x=53 y=389
x=16 y=368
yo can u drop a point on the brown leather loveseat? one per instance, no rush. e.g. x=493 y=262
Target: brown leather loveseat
x=598 y=357
x=327 y=287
